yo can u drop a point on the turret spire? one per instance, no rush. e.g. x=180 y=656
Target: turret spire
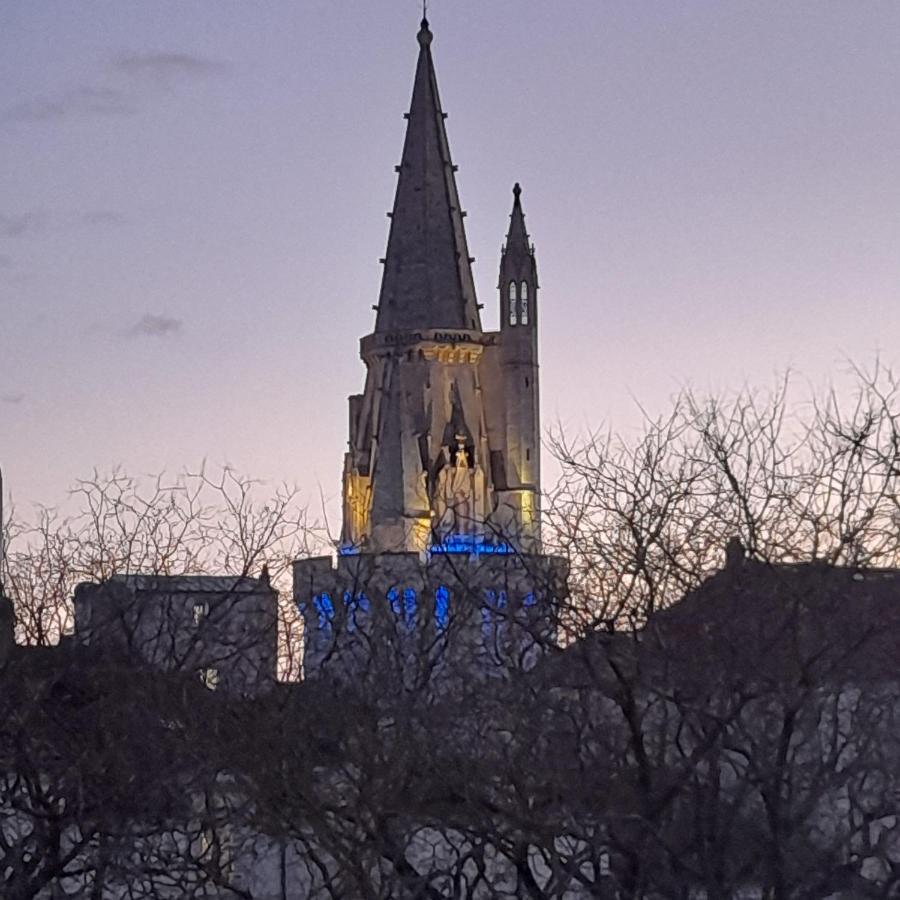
x=517 y=238
x=427 y=279
x=518 y=270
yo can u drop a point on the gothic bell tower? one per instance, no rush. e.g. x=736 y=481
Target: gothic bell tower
x=439 y=572
x=417 y=471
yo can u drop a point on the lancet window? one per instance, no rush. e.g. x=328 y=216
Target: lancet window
x=513 y=302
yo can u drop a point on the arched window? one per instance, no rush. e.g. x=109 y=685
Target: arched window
x=523 y=295
x=513 y=313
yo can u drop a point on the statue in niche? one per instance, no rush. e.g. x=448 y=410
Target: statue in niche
x=454 y=492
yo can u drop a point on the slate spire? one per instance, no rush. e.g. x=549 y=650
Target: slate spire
x=427 y=280
x=517 y=238
x=518 y=271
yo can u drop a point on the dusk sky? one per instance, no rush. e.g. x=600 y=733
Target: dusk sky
x=193 y=198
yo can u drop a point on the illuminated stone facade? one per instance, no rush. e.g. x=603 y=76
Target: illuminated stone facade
x=445 y=438
x=441 y=482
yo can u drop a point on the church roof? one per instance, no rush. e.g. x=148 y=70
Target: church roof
x=427 y=279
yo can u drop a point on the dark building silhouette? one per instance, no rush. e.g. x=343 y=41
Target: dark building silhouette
x=222 y=628
x=7 y=627
x=762 y=625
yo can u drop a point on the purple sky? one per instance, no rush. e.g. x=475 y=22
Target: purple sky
x=193 y=197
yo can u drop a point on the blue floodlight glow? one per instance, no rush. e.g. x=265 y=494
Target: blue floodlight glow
x=324 y=609
x=469 y=544
x=442 y=608
x=487 y=623
x=355 y=605
x=409 y=607
x=404 y=605
x=348 y=550
x=529 y=599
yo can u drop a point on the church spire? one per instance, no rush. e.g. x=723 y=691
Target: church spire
x=517 y=238
x=518 y=271
x=427 y=279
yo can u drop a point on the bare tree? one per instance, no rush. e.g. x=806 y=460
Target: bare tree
x=199 y=522
x=721 y=721
x=106 y=780
x=644 y=521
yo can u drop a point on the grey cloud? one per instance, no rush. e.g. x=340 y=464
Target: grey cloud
x=24 y=223
x=12 y=398
x=168 y=66
x=5 y=261
x=81 y=102
x=139 y=73
x=151 y=325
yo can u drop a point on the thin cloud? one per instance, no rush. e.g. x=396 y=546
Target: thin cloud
x=157 y=326
x=14 y=399
x=140 y=76
x=5 y=261
x=86 y=101
x=22 y=224
x=168 y=66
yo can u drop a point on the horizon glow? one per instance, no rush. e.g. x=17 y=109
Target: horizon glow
x=194 y=195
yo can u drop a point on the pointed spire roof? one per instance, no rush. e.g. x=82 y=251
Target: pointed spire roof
x=517 y=238
x=517 y=259
x=427 y=279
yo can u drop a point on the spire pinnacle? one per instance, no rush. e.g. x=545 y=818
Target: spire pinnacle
x=425 y=36
x=427 y=280
x=517 y=239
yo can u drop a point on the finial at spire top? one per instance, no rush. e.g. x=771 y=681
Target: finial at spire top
x=517 y=190
x=425 y=36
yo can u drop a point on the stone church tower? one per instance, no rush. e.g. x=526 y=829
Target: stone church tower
x=440 y=547
x=444 y=445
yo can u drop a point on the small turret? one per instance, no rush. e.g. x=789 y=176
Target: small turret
x=518 y=273
x=518 y=511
